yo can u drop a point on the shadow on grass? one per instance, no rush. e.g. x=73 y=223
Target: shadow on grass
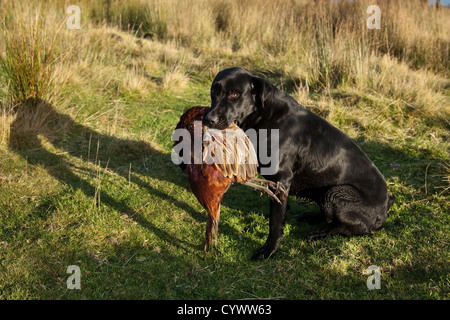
x=38 y=120
x=74 y=139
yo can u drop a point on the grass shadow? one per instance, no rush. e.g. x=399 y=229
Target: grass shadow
x=39 y=120
x=36 y=121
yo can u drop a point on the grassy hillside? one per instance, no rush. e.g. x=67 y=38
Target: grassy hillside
x=86 y=117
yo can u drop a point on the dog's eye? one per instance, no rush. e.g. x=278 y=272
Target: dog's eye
x=234 y=95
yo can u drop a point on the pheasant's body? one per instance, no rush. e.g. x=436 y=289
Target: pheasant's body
x=227 y=156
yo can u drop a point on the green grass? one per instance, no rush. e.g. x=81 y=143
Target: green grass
x=143 y=238
x=86 y=176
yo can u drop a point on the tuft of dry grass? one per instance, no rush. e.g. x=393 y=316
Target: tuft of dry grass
x=34 y=67
x=175 y=80
x=30 y=61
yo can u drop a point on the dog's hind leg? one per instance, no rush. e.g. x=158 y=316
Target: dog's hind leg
x=351 y=223
x=344 y=208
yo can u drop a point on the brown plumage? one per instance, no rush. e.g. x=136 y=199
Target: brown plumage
x=227 y=156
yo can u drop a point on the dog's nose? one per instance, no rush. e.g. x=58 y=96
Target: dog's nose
x=210 y=120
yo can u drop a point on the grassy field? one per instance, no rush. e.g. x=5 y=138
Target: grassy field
x=87 y=114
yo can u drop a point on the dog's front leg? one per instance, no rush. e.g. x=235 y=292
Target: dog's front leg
x=276 y=229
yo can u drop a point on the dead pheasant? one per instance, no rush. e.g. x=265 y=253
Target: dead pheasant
x=227 y=156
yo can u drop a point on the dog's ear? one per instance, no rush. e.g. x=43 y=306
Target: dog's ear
x=262 y=90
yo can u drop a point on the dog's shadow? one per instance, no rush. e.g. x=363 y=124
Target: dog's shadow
x=37 y=121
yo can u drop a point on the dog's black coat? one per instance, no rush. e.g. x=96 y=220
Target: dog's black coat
x=316 y=160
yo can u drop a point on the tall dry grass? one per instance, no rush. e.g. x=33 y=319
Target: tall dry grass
x=327 y=42
x=315 y=45
x=31 y=63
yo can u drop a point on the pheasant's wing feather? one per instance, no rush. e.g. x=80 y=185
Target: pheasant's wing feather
x=213 y=149
x=232 y=152
x=252 y=160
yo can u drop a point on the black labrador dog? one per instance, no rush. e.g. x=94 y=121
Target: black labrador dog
x=316 y=160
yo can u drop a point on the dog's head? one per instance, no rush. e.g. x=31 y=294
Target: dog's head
x=236 y=93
